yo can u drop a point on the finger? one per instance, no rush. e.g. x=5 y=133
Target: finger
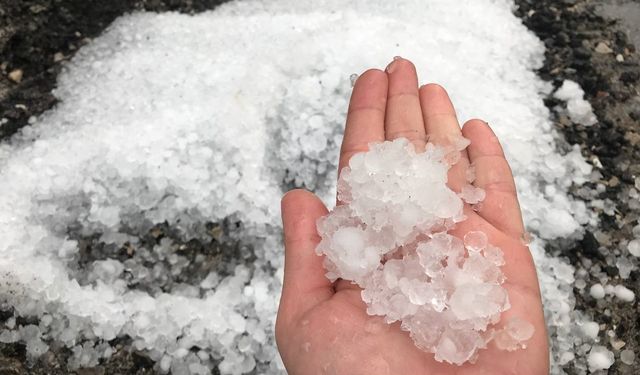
x=442 y=128
x=500 y=206
x=305 y=284
x=365 y=119
x=403 y=117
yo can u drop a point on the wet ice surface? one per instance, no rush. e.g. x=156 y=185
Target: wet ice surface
x=389 y=236
x=190 y=119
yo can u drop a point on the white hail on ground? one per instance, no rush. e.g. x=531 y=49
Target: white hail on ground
x=193 y=118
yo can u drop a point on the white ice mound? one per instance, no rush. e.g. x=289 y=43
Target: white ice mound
x=578 y=109
x=390 y=237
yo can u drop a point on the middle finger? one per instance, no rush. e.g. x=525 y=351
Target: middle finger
x=403 y=116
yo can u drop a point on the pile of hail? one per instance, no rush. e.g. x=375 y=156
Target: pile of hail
x=390 y=237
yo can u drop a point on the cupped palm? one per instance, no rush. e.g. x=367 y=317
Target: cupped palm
x=323 y=327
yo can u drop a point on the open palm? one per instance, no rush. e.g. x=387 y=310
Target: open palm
x=323 y=327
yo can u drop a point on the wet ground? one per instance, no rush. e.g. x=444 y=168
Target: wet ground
x=628 y=14
x=591 y=42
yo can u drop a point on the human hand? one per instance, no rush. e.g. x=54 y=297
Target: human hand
x=322 y=327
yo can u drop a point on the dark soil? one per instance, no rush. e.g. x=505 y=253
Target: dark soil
x=37 y=35
x=572 y=31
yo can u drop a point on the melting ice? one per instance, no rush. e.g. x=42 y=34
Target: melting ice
x=390 y=237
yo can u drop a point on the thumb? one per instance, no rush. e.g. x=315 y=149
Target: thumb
x=304 y=282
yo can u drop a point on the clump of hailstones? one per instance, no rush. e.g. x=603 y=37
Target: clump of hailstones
x=389 y=236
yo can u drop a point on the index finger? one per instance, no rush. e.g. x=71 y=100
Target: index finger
x=365 y=119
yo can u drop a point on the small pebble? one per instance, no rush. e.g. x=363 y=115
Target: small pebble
x=58 y=56
x=15 y=75
x=603 y=48
x=617 y=344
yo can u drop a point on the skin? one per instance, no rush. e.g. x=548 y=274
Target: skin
x=323 y=327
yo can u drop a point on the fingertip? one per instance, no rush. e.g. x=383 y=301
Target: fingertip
x=369 y=91
x=433 y=89
x=287 y=199
x=435 y=100
x=293 y=195
x=493 y=174
x=483 y=140
x=365 y=116
x=403 y=78
x=475 y=125
x=372 y=73
x=298 y=202
x=400 y=63
x=371 y=77
x=304 y=281
x=435 y=103
x=403 y=118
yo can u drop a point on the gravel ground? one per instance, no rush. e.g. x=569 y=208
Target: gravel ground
x=585 y=45
x=590 y=42
x=628 y=14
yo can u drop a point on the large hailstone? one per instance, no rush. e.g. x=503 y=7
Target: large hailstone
x=390 y=237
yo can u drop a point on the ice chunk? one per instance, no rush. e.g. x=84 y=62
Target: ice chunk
x=579 y=110
x=494 y=255
x=353 y=78
x=628 y=357
x=634 y=247
x=591 y=329
x=625 y=266
x=471 y=194
x=597 y=291
x=600 y=358
x=514 y=335
x=458 y=346
x=107 y=270
x=478 y=301
x=475 y=241
x=441 y=250
x=353 y=257
x=470 y=174
x=390 y=237
x=624 y=293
